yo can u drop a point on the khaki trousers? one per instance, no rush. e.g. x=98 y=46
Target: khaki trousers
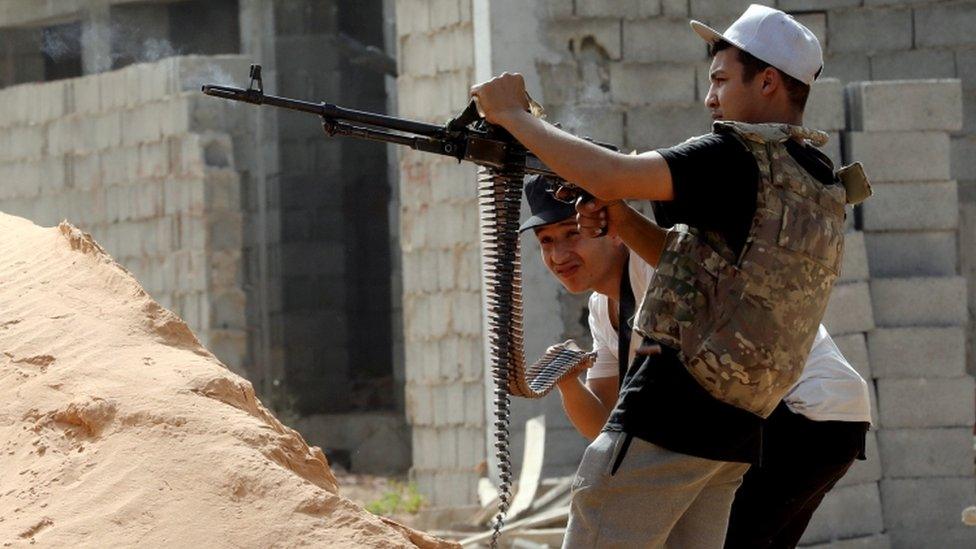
x=653 y=497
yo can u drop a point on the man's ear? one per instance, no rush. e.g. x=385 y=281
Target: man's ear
x=771 y=81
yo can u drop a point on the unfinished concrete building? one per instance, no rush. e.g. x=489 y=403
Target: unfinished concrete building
x=279 y=244
x=344 y=279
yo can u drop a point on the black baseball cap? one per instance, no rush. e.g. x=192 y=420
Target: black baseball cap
x=545 y=209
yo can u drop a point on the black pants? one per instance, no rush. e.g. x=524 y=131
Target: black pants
x=802 y=460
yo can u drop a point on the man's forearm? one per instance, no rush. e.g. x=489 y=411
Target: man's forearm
x=640 y=234
x=583 y=407
x=606 y=174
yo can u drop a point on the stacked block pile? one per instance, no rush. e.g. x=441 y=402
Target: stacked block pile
x=900 y=130
x=849 y=319
x=446 y=384
x=142 y=160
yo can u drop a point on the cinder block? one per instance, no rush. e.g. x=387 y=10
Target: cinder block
x=905 y=105
x=855 y=350
x=86 y=171
x=628 y=9
x=560 y=83
x=912 y=206
x=807 y=5
x=900 y=156
x=919 y=403
x=22 y=143
x=848 y=31
x=444 y=13
x=471 y=447
x=48 y=102
x=849 y=310
x=919 y=301
x=855 y=266
x=848 y=67
x=223 y=191
x=926 y=504
x=944 y=25
x=708 y=9
x=412 y=16
x=966 y=68
x=825 y=106
x=637 y=84
x=909 y=453
x=415 y=57
x=964 y=158
x=107 y=130
x=661 y=39
x=599 y=123
x=899 y=254
x=868 y=470
x=969 y=112
x=17 y=104
x=87 y=94
x=846 y=512
x=675 y=8
x=651 y=128
x=112 y=90
x=958 y=536
x=154 y=160
x=224 y=231
x=914 y=352
x=913 y=65
x=604 y=32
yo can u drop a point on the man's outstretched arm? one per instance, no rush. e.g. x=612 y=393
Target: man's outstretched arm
x=605 y=174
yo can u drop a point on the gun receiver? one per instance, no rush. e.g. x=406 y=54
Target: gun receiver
x=467 y=137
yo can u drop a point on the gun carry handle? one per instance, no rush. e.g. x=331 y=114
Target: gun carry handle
x=469 y=115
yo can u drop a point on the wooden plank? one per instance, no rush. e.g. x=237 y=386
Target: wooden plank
x=542 y=519
x=557 y=492
x=532 y=459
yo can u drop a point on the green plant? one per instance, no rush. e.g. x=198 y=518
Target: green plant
x=400 y=498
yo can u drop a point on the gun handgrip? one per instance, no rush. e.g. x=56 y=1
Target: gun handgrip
x=585 y=197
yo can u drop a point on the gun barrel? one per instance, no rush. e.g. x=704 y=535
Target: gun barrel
x=326 y=110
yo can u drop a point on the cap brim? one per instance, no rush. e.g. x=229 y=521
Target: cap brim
x=547 y=217
x=707 y=33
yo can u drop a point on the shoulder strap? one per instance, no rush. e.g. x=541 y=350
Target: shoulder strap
x=625 y=310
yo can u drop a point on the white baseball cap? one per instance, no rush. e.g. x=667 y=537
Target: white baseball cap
x=774 y=37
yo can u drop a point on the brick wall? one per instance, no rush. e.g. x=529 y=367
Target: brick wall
x=149 y=166
x=445 y=378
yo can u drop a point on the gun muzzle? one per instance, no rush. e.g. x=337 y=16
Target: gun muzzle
x=237 y=94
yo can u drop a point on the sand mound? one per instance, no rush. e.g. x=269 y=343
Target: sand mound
x=117 y=428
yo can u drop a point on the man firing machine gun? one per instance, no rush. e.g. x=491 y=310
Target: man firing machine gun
x=735 y=311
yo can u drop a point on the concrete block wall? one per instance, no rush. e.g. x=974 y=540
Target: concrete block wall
x=149 y=166
x=633 y=73
x=925 y=396
x=445 y=377
x=850 y=320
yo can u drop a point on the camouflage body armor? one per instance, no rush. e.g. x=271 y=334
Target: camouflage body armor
x=744 y=324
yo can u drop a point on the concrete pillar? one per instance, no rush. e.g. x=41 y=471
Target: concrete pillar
x=96 y=39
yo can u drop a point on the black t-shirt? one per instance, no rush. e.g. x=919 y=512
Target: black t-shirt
x=715 y=181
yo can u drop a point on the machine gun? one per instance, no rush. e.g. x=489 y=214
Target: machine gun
x=505 y=162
